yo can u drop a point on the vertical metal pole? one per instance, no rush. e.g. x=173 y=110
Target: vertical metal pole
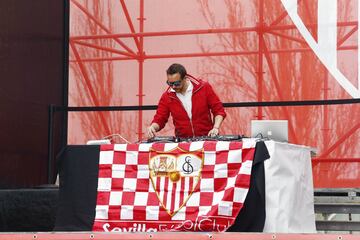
x=141 y=69
x=64 y=131
x=140 y=119
x=325 y=113
x=260 y=58
x=50 y=144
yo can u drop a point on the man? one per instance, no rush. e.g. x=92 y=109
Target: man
x=190 y=102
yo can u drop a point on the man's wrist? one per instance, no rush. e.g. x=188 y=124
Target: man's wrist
x=215 y=127
x=155 y=126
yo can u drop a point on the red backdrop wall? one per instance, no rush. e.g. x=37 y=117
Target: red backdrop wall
x=252 y=51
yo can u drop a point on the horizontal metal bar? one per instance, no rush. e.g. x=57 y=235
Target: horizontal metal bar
x=336 y=199
x=337 y=208
x=337 y=160
x=337 y=226
x=106 y=108
x=167 y=33
x=226 y=105
x=336 y=190
x=201 y=31
x=294 y=103
x=207 y=54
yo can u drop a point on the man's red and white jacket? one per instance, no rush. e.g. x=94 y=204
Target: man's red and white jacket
x=204 y=102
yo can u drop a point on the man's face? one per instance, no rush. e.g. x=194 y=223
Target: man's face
x=175 y=82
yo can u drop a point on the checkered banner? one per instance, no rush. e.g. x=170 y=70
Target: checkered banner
x=151 y=187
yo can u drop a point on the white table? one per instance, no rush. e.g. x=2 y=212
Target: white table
x=289 y=199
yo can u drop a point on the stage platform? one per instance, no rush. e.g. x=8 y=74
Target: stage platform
x=34 y=210
x=172 y=236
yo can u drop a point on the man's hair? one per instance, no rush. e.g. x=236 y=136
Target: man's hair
x=176 y=68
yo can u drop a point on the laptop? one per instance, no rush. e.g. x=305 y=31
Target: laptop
x=272 y=129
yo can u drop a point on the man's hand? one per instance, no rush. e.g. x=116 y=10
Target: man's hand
x=152 y=130
x=217 y=123
x=213 y=132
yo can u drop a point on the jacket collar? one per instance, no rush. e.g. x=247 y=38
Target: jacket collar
x=197 y=84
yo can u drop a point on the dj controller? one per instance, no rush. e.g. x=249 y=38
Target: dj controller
x=193 y=139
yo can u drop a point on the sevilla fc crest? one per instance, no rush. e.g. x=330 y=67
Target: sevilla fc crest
x=174 y=176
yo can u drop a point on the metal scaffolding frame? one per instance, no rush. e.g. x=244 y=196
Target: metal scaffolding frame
x=263 y=53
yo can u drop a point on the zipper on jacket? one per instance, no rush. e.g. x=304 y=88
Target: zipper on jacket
x=192 y=127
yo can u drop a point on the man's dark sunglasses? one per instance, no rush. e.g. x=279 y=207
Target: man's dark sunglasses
x=175 y=84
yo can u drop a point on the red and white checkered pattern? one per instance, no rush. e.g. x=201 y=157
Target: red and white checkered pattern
x=126 y=198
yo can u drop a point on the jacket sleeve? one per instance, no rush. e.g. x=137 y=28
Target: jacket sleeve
x=162 y=113
x=214 y=102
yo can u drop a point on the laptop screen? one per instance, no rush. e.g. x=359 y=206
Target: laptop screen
x=272 y=129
